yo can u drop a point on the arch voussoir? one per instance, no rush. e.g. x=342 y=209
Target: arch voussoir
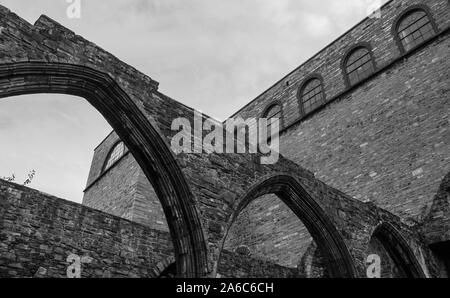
x=143 y=140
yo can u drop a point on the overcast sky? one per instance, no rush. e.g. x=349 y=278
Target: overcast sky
x=213 y=55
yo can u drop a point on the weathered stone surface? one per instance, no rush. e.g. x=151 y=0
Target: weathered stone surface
x=47 y=57
x=235 y=266
x=40 y=232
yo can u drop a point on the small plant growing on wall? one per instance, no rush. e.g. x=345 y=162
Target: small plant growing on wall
x=28 y=181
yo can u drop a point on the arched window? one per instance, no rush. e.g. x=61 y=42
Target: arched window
x=413 y=28
x=311 y=94
x=114 y=155
x=273 y=112
x=359 y=65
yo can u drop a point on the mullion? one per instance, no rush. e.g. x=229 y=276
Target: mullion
x=362 y=66
x=359 y=59
x=317 y=90
x=418 y=29
x=413 y=23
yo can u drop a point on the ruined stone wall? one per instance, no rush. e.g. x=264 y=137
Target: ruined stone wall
x=342 y=142
x=236 y=266
x=388 y=268
x=199 y=191
x=271 y=232
x=313 y=264
x=147 y=208
x=38 y=233
x=435 y=227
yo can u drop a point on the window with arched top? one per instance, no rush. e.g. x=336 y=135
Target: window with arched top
x=359 y=65
x=311 y=94
x=273 y=112
x=413 y=28
x=117 y=151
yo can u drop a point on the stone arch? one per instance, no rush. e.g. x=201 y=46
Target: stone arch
x=292 y=193
x=399 y=250
x=142 y=139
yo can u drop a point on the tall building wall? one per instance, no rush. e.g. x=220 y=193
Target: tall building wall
x=389 y=140
x=385 y=139
x=122 y=189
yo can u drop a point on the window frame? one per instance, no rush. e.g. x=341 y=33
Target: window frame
x=349 y=53
x=110 y=152
x=410 y=10
x=268 y=109
x=301 y=89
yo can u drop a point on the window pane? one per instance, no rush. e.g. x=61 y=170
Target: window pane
x=359 y=65
x=273 y=113
x=415 y=29
x=312 y=96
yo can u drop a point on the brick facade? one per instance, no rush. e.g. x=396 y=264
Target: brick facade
x=385 y=141
x=39 y=232
x=271 y=232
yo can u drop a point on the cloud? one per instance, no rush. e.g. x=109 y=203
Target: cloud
x=5 y=121
x=213 y=55
x=316 y=26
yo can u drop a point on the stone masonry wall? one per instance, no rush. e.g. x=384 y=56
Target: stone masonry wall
x=375 y=31
x=313 y=264
x=111 y=191
x=236 y=266
x=389 y=141
x=435 y=227
x=271 y=232
x=386 y=141
x=38 y=233
x=123 y=189
x=388 y=268
x=114 y=192
x=147 y=208
x=339 y=142
x=198 y=191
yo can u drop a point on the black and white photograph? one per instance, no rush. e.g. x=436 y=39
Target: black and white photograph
x=224 y=146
